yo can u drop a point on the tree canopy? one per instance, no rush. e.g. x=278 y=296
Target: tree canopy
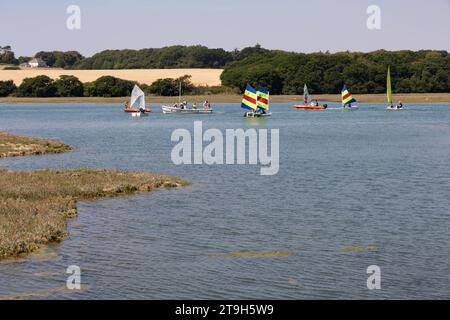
x=286 y=73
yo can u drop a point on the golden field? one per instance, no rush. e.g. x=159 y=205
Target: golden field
x=200 y=77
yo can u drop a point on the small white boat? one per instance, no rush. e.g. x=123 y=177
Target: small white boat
x=184 y=110
x=257 y=114
x=394 y=108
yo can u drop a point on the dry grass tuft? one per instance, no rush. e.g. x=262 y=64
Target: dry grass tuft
x=13 y=146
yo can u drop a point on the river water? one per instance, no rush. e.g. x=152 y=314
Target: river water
x=354 y=189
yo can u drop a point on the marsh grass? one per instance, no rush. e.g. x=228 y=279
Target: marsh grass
x=13 y=146
x=34 y=206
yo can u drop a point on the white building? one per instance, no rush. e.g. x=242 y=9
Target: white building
x=37 y=63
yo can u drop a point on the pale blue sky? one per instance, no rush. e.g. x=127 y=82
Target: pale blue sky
x=293 y=25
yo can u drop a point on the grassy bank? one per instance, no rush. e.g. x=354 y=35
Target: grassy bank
x=230 y=98
x=12 y=146
x=35 y=205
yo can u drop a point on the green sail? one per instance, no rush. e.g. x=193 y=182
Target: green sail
x=389 y=86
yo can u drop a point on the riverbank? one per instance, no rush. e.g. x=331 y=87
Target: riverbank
x=35 y=205
x=229 y=98
x=13 y=146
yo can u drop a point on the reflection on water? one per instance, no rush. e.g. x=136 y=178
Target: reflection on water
x=354 y=189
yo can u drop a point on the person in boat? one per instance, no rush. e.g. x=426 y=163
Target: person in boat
x=206 y=105
x=127 y=105
x=400 y=105
x=325 y=106
x=194 y=106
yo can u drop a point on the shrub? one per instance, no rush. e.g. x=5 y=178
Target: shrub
x=7 y=88
x=40 y=86
x=69 y=86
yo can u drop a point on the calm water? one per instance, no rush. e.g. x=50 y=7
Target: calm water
x=353 y=179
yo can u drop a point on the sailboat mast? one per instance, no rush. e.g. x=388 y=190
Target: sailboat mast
x=179 y=95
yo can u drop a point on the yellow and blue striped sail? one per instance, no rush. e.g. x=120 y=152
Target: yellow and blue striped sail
x=249 y=99
x=263 y=98
x=347 y=98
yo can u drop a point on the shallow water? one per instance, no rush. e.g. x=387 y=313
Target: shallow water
x=354 y=189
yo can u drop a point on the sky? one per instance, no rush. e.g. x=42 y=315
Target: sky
x=291 y=25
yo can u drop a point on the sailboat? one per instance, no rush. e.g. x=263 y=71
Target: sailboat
x=256 y=101
x=389 y=93
x=137 y=104
x=182 y=107
x=308 y=103
x=347 y=100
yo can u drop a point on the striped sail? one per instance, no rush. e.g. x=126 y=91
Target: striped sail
x=249 y=99
x=347 y=98
x=389 y=86
x=263 y=98
x=306 y=96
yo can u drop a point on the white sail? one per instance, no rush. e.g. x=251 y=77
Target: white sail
x=137 y=98
x=306 y=96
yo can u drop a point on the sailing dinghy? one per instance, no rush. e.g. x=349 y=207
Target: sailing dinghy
x=389 y=93
x=347 y=100
x=256 y=101
x=308 y=103
x=137 y=104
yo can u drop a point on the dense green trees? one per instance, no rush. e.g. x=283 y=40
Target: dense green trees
x=108 y=86
x=167 y=57
x=171 y=87
x=69 y=86
x=7 y=55
x=40 y=86
x=285 y=73
x=7 y=88
x=59 y=59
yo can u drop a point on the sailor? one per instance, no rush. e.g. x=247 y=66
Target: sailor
x=194 y=106
x=400 y=105
x=206 y=105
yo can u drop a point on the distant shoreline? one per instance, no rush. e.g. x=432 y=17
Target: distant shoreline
x=224 y=98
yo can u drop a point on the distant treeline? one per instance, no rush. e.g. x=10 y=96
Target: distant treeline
x=286 y=73
x=281 y=72
x=160 y=58
x=106 y=86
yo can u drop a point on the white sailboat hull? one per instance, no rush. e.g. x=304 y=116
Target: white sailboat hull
x=175 y=110
x=257 y=114
x=394 y=108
